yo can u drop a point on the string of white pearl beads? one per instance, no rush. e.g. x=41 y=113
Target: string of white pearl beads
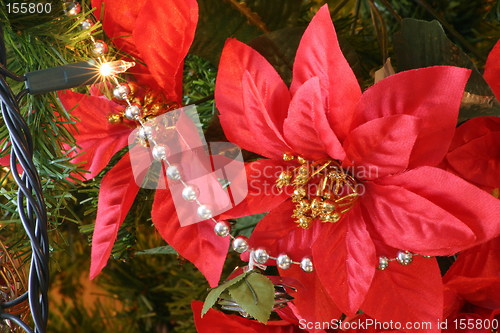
x=402 y=257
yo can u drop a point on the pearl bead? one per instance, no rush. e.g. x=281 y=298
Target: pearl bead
x=145 y=132
x=173 y=172
x=307 y=265
x=86 y=24
x=190 y=193
x=222 y=228
x=283 y=261
x=240 y=244
x=100 y=48
x=261 y=256
x=159 y=152
x=132 y=112
x=121 y=91
x=73 y=8
x=404 y=258
x=204 y=212
x=383 y=263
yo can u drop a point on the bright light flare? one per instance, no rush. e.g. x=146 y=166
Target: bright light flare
x=113 y=68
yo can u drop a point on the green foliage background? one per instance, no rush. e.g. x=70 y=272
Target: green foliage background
x=152 y=286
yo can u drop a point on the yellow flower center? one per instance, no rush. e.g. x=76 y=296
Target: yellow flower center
x=322 y=190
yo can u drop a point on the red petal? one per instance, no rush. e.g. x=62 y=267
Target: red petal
x=424 y=93
x=319 y=55
x=431 y=211
x=275 y=226
x=164 y=43
x=311 y=299
x=119 y=20
x=401 y=294
x=479 y=261
x=480 y=291
x=306 y=128
x=383 y=144
x=197 y=243
x=475 y=275
x=263 y=195
x=474 y=154
x=259 y=121
x=492 y=69
x=117 y=194
x=278 y=233
x=346 y=249
x=238 y=58
x=98 y=138
x=407 y=220
x=218 y=322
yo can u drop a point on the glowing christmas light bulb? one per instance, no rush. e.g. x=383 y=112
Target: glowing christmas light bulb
x=115 y=67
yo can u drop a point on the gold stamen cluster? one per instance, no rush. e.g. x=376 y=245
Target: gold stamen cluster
x=152 y=105
x=335 y=190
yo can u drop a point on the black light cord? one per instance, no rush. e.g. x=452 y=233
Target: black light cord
x=30 y=203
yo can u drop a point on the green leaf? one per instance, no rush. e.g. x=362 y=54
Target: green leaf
x=222 y=19
x=215 y=293
x=167 y=249
x=246 y=224
x=255 y=295
x=422 y=44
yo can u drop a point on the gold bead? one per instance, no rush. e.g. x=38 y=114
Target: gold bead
x=327 y=208
x=304 y=222
x=115 y=118
x=304 y=204
x=300 y=180
x=284 y=179
x=301 y=160
x=332 y=218
x=303 y=170
x=316 y=207
x=298 y=194
x=288 y=157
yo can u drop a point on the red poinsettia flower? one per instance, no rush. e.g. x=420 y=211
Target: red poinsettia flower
x=401 y=127
x=100 y=140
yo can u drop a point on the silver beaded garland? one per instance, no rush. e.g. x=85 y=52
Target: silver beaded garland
x=132 y=112
x=190 y=193
x=121 y=91
x=159 y=152
x=404 y=258
x=204 y=212
x=222 y=228
x=145 y=132
x=261 y=256
x=173 y=172
x=100 y=48
x=307 y=265
x=283 y=261
x=240 y=244
x=383 y=263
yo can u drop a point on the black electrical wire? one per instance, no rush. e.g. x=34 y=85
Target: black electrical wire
x=30 y=203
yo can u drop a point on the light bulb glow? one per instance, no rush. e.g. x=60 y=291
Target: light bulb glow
x=115 y=67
